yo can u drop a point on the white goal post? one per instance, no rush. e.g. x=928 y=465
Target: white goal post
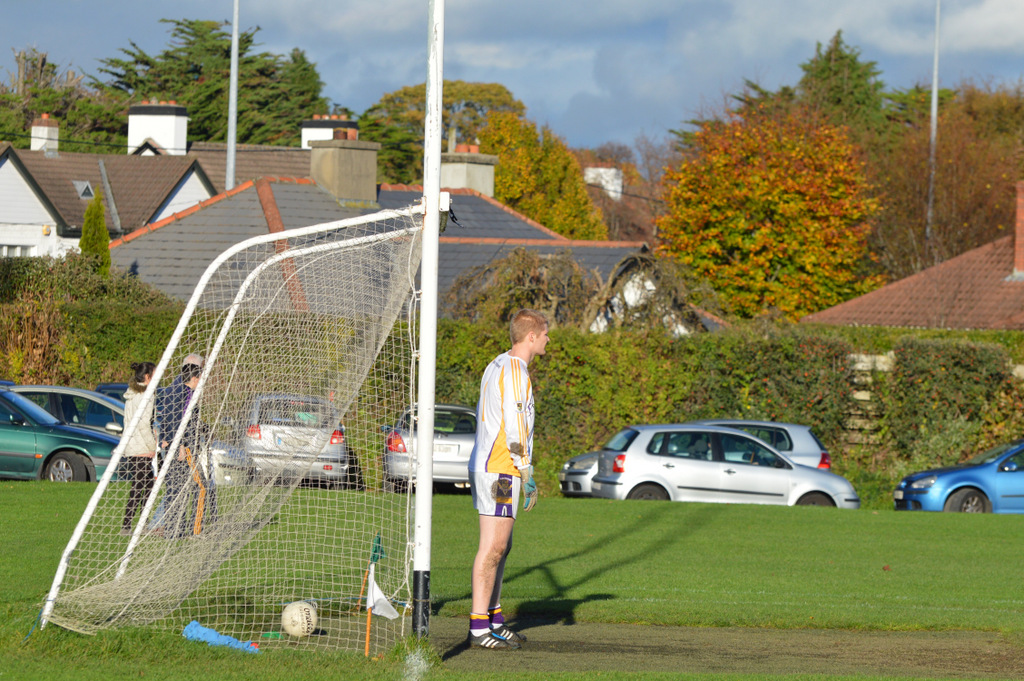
x=271 y=490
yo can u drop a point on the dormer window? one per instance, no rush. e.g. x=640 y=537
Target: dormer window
x=84 y=189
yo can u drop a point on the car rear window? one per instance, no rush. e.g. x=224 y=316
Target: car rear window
x=621 y=440
x=454 y=422
x=291 y=412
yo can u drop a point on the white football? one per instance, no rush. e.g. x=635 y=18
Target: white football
x=299 y=619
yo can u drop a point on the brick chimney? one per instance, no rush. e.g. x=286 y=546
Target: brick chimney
x=327 y=128
x=467 y=168
x=1018 y=236
x=347 y=168
x=44 y=134
x=166 y=123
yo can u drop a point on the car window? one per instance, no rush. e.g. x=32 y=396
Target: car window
x=1017 y=459
x=621 y=440
x=293 y=412
x=687 y=444
x=39 y=399
x=776 y=437
x=736 y=449
x=32 y=410
x=454 y=422
x=6 y=414
x=97 y=414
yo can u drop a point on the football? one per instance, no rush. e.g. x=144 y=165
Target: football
x=299 y=619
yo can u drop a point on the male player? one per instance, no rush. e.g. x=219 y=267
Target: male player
x=499 y=467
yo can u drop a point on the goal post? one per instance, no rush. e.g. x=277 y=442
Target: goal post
x=271 y=490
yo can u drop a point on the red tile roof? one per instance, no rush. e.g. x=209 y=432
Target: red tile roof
x=975 y=290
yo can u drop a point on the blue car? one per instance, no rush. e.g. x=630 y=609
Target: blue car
x=991 y=482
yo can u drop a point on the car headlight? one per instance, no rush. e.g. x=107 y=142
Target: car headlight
x=923 y=483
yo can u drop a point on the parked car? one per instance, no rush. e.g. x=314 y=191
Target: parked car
x=991 y=482
x=35 y=445
x=278 y=436
x=454 y=436
x=77 y=407
x=687 y=462
x=115 y=390
x=575 y=476
x=797 y=443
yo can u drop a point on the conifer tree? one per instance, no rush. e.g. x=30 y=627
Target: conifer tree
x=95 y=241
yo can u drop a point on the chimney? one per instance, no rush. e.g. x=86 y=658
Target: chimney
x=607 y=177
x=467 y=168
x=44 y=134
x=327 y=128
x=347 y=168
x=165 y=123
x=1018 y=236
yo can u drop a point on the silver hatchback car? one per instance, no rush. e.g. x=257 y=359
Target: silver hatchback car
x=686 y=462
x=298 y=436
x=454 y=437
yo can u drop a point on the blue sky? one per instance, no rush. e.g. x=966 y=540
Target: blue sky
x=594 y=71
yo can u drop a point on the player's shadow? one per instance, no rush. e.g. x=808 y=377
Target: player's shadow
x=559 y=607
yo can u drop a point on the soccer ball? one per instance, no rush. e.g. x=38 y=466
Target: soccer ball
x=299 y=619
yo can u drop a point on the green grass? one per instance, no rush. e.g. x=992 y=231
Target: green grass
x=577 y=560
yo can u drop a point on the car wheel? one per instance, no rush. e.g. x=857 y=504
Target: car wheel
x=648 y=492
x=968 y=501
x=65 y=467
x=815 y=499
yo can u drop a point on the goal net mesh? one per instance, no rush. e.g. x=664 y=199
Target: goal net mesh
x=271 y=490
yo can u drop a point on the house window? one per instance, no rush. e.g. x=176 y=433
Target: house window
x=10 y=251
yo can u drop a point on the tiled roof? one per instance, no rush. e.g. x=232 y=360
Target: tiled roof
x=139 y=185
x=251 y=161
x=974 y=290
x=173 y=254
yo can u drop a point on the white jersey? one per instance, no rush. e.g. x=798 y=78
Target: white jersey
x=504 y=418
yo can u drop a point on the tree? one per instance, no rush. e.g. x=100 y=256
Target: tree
x=95 y=240
x=538 y=176
x=773 y=211
x=274 y=92
x=397 y=122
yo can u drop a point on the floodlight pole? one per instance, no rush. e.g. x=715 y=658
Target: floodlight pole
x=929 y=217
x=229 y=172
x=428 y=320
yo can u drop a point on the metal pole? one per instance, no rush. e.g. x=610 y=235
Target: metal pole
x=229 y=172
x=931 y=153
x=428 y=320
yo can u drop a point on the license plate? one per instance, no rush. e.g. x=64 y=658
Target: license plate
x=446 y=450
x=897 y=494
x=595 y=485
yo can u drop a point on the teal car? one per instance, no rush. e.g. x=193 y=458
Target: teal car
x=34 y=445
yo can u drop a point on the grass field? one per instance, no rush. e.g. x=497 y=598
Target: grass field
x=580 y=561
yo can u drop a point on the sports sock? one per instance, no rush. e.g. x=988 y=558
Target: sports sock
x=478 y=624
x=497 y=619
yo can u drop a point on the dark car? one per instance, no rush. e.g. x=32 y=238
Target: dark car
x=115 y=390
x=35 y=445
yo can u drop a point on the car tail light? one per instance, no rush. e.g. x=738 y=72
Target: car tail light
x=826 y=461
x=328 y=467
x=254 y=431
x=619 y=465
x=395 y=442
x=338 y=437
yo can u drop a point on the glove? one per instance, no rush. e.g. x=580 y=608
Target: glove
x=529 y=488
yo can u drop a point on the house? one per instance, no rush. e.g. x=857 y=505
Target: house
x=980 y=289
x=44 y=192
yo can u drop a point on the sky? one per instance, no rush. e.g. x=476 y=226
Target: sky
x=594 y=71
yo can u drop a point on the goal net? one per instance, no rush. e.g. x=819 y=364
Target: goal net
x=271 y=489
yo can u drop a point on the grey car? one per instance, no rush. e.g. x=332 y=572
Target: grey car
x=77 y=406
x=576 y=473
x=454 y=437
x=298 y=436
x=686 y=462
x=798 y=443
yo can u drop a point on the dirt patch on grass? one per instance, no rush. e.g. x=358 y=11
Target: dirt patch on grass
x=558 y=647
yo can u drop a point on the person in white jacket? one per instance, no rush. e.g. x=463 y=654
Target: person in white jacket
x=137 y=458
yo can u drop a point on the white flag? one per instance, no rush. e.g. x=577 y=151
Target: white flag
x=376 y=601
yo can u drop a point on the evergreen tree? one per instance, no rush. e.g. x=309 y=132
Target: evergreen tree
x=95 y=240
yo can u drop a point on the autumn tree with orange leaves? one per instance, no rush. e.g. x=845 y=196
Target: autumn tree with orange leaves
x=772 y=211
